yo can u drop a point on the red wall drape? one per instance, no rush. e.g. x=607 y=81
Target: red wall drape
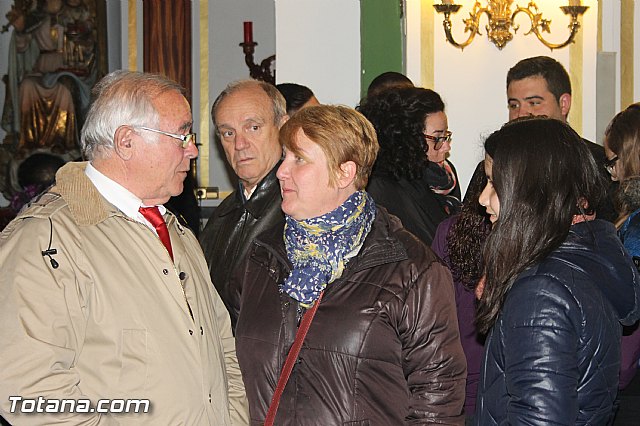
x=167 y=39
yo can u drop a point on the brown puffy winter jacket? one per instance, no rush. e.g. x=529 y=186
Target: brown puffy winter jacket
x=383 y=348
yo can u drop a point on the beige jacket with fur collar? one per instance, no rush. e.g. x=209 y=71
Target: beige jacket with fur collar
x=111 y=320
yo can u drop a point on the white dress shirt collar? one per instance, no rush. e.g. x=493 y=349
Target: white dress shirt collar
x=119 y=196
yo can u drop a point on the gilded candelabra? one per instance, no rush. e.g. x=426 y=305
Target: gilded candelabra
x=501 y=21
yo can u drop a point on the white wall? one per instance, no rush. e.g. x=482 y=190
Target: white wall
x=611 y=34
x=318 y=45
x=226 y=19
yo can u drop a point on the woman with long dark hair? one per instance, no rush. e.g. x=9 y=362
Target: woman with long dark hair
x=558 y=282
x=412 y=177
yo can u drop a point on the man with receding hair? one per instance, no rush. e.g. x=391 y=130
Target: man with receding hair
x=247 y=116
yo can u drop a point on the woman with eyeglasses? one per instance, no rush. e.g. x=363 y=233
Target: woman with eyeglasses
x=622 y=148
x=558 y=284
x=412 y=177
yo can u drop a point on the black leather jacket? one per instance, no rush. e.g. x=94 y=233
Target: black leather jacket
x=553 y=355
x=231 y=229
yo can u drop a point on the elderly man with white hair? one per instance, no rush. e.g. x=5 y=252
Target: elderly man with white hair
x=104 y=297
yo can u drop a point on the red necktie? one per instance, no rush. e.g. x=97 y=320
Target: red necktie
x=152 y=214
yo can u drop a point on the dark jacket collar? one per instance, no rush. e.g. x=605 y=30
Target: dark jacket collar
x=262 y=197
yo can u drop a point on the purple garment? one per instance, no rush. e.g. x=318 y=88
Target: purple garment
x=629 y=233
x=466 y=306
x=629 y=355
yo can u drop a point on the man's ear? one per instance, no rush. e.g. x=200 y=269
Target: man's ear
x=565 y=104
x=122 y=142
x=347 y=174
x=283 y=120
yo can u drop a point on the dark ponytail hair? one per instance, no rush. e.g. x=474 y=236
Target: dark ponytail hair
x=543 y=175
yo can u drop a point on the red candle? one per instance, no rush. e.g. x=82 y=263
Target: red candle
x=248 y=32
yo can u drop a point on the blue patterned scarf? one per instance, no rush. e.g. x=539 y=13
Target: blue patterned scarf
x=319 y=248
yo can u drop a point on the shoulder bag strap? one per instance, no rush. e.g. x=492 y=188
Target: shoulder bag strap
x=290 y=361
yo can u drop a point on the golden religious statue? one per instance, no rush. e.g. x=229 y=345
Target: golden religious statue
x=53 y=65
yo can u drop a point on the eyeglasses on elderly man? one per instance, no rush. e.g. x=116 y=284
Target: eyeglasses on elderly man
x=186 y=139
